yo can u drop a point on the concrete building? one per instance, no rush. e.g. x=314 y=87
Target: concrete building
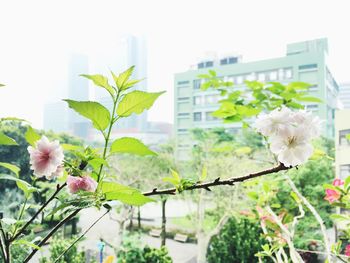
x=342 y=144
x=304 y=61
x=344 y=95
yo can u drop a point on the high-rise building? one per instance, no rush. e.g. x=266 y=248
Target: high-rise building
x=57 y=116
x=304 y=61
x=344 y=95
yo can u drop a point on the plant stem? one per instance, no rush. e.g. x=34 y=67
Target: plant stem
x=50 y=234
x=20 y=215
x=108 y=134
x=218 y=181
x=58 y=189
x=3 y=242
x=80 y=237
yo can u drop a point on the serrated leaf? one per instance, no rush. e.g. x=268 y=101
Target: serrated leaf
x=11 y=167
x=101 y=81
x=92 y=110
x=123 y=77
x=136 y=102
x=130 y=145
x=5 y=140
x=31 y=136
x=123 y=193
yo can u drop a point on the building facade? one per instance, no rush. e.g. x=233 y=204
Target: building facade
x=342 y=144
x=344 y=95
x=304 y=61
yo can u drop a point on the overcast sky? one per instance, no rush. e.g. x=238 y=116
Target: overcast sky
x=36 y=38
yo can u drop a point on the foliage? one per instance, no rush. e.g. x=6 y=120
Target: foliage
x=132 y=251
x=58 y=246
x=238 y=241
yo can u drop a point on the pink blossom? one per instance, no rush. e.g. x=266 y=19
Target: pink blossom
x=84 y=183
x=338 y=182
x=332 y=195
x=46 y=158
x=347 y=250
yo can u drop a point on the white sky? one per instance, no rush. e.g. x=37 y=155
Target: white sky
x=36 y=38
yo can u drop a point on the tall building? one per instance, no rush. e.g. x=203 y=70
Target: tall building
x=342 y=144
x=344 y=95
x=304 y=61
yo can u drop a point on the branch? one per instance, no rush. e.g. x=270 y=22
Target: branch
x=58 y=189
x=3 y=242
x=53 y=231
x=81 y=236
x=218 y=181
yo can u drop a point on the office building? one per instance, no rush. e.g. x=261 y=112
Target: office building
x=342 y=144
x=344 y=95
x=304 y=61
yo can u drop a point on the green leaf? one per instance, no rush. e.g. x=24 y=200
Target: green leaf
x=227 y=109
x=295 y=197
x=97 y=162
x=298 y=85
x=308 y=99
x=92 y=110
x=23 y=185
x=175 y=179
x=136 y=102
x=125 y=194
x=31 y=136
x=339 y=217
x=101 y=81
x=11 y=167
x=347 y=182
x=26 y=243
x=130 y=145
x=5 y=140
x=347 y=136
x=123 y=77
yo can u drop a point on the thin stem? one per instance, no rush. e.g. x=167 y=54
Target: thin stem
x=58 y=189
x=81 y=236
x=218 y=181
x=53 y=231
x=108 y=134
x=3 y=242
x=20 y=215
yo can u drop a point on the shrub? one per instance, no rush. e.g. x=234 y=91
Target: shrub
x=237 y=241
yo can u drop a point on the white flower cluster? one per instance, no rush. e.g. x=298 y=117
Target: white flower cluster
x=290 y=134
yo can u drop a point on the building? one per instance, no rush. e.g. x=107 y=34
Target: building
x=304 y=61
x=342 y=144
x=344 y=95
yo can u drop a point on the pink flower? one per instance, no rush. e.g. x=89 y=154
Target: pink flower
x=332 y=195
x=84 y=183
x=338 y=182
x=46 y=158
x=347 y=250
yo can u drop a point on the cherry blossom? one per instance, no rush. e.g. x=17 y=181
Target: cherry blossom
x=83 y=183
x=338 y=182
x=332 y=195
x=46 y=158
x=347 y=250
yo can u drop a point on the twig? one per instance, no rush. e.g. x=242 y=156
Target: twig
x=58 y=189
x=53 y=231
x=217 y=181
x=315 y=214
x=80 y=237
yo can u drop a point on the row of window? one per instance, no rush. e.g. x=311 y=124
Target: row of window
x=308 y=67
x=271 y=75
x=206 y=64
x=208 y=99
x=197 y=116
x=344 y=171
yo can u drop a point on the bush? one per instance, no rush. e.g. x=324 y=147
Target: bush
x=131 y=253
x=238 y=241
x=58 y=246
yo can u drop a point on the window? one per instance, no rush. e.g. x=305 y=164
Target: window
x=232 y=60
x=239 y=79
x=210 y=117
x=288 y=73
x=182 y=130
x=212 y=99
x=312 y=107
x=197 y=100
x=344 y=171
x=184 y=82
x=251 y=77
x=223 y=61
x=273 y=75
x=197 y=116
x=197 y=84
x=313 y=88
x=308 y=66
x=183 y=114
x=183 y=98
x=209 y=64
x=261 y=76
x=280 y=74
x=342 y=137
x=200 y=65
